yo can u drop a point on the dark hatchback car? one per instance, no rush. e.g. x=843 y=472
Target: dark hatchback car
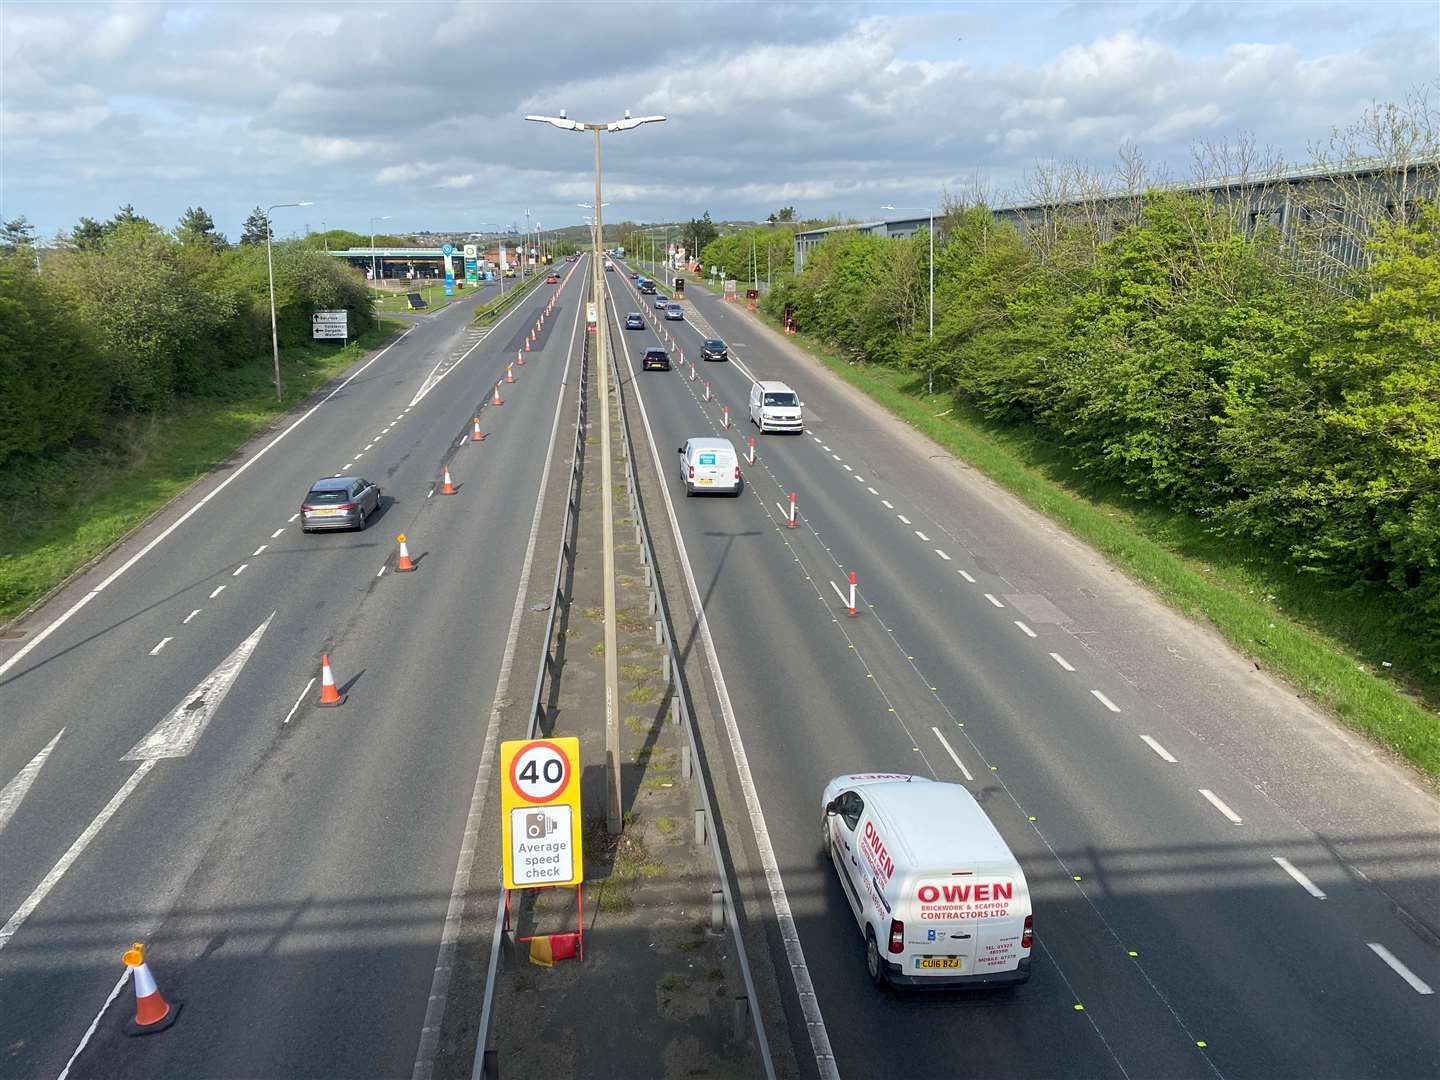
x=713 y=349
x=655 y=360
x=646 y=286
x=339 y=502
x=634 y=321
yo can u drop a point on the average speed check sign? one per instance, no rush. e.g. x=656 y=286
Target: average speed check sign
x=540 y=812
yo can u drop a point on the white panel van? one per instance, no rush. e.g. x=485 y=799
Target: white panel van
x=939 y=898
x=776 y=407
x=709 y=465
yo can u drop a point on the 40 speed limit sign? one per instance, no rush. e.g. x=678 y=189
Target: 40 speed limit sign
x=540 y=834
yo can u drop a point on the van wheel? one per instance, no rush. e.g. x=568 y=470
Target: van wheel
x=873 y=964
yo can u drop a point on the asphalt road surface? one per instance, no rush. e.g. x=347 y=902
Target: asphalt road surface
x=289 y=866
x=1223 y=883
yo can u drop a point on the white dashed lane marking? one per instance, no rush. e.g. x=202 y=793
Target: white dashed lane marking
x=1303 y=881
x=218 y=590
x=163 y=642
x=903 y=519
x=1105 y=701
x=966 y=576
x=240 y=569
x=277 y=532
x=1061 y=661
x=1165 y=755
x=847 y=468
x=922 y=536
x=1419 y=985
x=258 y=550
x=872 y=491
x=953 y=756
x=1025 y=629
x=991 y=598
x=190 y=616
x=942 y=554
x=1219 y=804
x=293 y=517
x=887 y=504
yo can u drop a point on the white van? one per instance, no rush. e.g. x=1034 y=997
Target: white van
x=775 y=407
x=709 y=465
x=939 y=897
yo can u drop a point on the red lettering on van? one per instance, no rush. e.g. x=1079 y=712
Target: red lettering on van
x=876 y=854
x=963 y=894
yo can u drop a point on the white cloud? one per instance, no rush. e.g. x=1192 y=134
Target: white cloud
x=457 y=183
x=328 y=149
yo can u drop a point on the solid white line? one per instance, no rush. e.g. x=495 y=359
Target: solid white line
x=50 y=880
x=1025 y=629
x=191 y=616
x=240 y=569
x=64 y=618
x=15 y=791
x=1098 y=696
x=922 y=536
x=779 y=900
x=258 y=550
x=872 y=491
x=942 y=554
x=292 y=518
x=424 y=1066
x=1419 y=985
x=218 y=590
x=1219 y=804
x=90 y=1031
x=163 y=642
x=991 y=598
x=904 y=519
x=887 y=504
x=953 y=756
x=1061 y=661
x=966 y=576
x=1303 y=881
x=1165 y=755
x=277 y=532
x=298 y=700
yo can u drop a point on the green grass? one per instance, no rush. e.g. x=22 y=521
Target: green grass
x=67 y=509
x=432 y=292
x=488 y=313
x=1331 y=642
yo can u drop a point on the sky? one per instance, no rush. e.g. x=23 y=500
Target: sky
x=415 y=110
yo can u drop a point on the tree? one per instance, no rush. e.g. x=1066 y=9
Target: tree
x=698 y=233
x=256 y=228
x=197 y=227
x=16 y=234
x=785 y=213
x=126 y=215
x=88 y=234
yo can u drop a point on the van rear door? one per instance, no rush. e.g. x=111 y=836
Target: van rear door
x=962 y=924
x=714 y=467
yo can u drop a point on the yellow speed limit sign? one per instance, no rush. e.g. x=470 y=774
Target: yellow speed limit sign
x=540 y=828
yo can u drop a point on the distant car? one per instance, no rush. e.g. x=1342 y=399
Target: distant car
x=552 y=279
x=634 y=275
x=339 y=502
x=655 y=360
x=709 y=465
x=674 y=311
x=634 y=321
x=713 y=349
x=646 y=286
x=661 y=303
x=609 y=265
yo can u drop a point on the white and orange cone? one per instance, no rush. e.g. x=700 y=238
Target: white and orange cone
x=403 y=565
x=447 y=488
x=152 y=1012
x=497 y=399
x=330 y=695
x=475 y=434
x=520 y=356
x=527 y=342
x=510 y=373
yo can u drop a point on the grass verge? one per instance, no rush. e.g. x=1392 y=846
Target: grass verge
x=488 y=313
x=432 y=293
x=67 y=509
x=1330 y=642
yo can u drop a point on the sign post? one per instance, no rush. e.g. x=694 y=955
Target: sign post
x=330 y=326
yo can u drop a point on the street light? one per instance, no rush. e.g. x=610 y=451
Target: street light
x=930 y=375
x=613 y=801
x=373 y=275
x=270 y=269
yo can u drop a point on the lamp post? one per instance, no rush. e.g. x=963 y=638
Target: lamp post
x=614 y=820
x=930 y=375
x=270 y=270
x=374 y=276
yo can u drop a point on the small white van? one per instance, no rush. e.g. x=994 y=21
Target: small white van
x=775 y=407
x=939 y=897
x=709 y=465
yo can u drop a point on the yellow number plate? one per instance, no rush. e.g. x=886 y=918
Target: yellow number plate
x=325 y=513
x=951 y=963
x=707 y=481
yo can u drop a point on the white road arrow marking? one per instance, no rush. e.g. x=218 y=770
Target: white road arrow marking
x=176 y=735
x=15 y=791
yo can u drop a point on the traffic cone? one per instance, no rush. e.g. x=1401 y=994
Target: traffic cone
x=475 y=435
x=527 y=342
x=520 y=357
x=330 y=696
x=403 y=565
x=497 y=399
x=152 y=1012
x=447 y=488
x=510 y=373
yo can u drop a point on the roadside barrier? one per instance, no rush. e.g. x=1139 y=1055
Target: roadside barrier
x=152 y=1012
x=403 y=564
x=330 y=695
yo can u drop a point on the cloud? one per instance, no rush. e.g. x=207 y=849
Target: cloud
x=457 y=183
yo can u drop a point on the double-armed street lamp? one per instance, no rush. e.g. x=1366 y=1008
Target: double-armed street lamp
x=613 y=802
x=270 y=270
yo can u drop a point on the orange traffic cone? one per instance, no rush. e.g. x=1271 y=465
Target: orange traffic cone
x=152 y=1012
x=330 y=696
x=527 y=342
x=497 y=399
x=475 y=434
x=520 y=357
x=447 y=488
x=510 y=373
x=403 y=565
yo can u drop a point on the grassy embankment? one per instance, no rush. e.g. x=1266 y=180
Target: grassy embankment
x=433 y=293
x=488 y=313
x=1341 y=647
x=66 y=509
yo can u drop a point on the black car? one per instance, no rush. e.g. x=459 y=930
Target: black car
x=713 y=349
x=634 y=321
x=339 y=502
x=646 y=287
x=655 y=360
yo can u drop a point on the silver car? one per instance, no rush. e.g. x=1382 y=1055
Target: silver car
x=339 y=502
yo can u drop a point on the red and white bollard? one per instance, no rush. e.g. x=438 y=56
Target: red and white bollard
x=725 y=417
x=692 y=370
x=790 y=521
x=707 y=389
x=851 y=609
x=750 y=457
x=529 y=339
